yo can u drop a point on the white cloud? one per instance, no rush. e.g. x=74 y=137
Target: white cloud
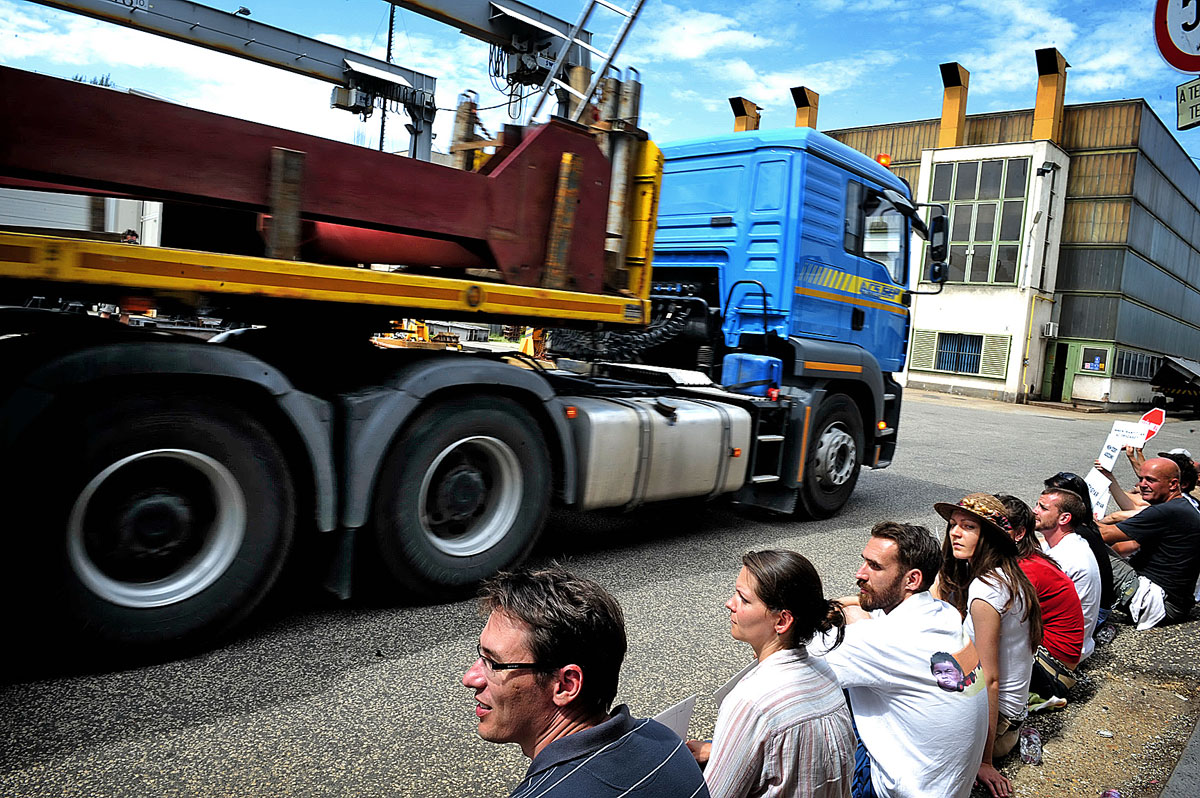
x=670 y=33
x=1113 y=57
x=771 y=89
x=64 y=44
x=1005 y=59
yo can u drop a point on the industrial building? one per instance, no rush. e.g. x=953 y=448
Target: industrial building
x=1075 y=244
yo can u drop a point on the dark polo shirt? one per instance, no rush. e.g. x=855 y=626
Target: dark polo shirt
x=1168 y=537
x=621 y=756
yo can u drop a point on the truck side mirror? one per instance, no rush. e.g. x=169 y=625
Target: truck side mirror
x=938 y=245
x=938 y=271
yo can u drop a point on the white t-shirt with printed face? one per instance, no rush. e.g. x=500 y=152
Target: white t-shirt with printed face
x=1015 y=656
x=924 y=732
x=1075 y=557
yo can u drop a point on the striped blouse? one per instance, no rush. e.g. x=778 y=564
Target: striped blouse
x=783 y=732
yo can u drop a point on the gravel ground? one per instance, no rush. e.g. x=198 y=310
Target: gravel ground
x=1127 y=723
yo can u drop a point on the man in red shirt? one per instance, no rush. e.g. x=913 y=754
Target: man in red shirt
x=1062 y=613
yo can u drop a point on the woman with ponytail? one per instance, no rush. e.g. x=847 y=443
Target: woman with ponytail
x=784 y=729
x=982 y=578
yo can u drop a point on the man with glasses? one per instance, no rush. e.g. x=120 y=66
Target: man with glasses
x=549 y=661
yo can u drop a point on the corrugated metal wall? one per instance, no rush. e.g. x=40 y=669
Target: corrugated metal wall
x=21 y=208
x=1101 y=175
x=903 y=142
x=1130 y=187
x=1100 y=221
x=1001 y=128
x=1101 y=126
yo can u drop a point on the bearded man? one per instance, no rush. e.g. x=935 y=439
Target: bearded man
x=913 y=678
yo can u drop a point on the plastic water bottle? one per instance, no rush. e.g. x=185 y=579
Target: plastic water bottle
x=1031 y=746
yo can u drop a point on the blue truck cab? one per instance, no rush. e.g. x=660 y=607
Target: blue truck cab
x=797 y=248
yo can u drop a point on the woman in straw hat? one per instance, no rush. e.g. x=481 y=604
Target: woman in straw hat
x=981 y=576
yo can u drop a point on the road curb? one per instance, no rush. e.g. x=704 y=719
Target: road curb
x=1185 y=779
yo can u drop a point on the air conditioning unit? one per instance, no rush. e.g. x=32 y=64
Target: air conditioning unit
x=1050 y=329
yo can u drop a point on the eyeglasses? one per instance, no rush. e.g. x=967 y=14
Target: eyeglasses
x=494 y=666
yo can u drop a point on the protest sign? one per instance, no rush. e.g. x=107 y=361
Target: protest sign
x=678 y=717
x=1097 y=485
x=1123 y=433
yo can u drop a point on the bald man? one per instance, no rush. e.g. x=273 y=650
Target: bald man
x=1157 y=583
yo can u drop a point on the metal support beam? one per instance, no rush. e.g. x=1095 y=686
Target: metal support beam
x=236 y=35
x=508 y=24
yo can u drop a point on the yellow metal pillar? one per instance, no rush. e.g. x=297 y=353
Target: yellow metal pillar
x=745 y=114
x=1052 y=88
x=806 y=106
x=955 y=80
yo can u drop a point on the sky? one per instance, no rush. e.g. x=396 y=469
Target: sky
x=871 y=61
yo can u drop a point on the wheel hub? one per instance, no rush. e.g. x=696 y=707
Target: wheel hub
x=470 y=495
x=154 y=525
x=461 y=493
x=836 y=455
x=150 y=547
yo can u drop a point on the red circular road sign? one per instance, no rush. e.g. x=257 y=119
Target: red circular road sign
x=1177 y=32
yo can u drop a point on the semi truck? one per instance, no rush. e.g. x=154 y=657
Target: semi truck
x=158 y=483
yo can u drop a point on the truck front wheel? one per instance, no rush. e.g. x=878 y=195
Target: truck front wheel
x=462 y=494
x=172 y=518
x=834 y=457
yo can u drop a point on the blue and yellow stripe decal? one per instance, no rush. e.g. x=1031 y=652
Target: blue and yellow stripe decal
x=850 y=288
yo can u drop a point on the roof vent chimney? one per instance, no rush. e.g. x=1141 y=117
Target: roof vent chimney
x=1051 y=89
x=955 y=79
x=806 y=106
x=745 y=114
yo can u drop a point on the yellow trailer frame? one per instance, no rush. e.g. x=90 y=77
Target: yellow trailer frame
x=163 y=271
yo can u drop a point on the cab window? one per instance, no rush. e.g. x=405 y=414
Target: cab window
x=875 y=230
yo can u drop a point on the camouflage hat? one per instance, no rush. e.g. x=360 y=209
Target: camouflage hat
x=989 y=511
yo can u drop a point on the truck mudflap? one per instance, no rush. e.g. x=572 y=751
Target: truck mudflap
x=310 y=416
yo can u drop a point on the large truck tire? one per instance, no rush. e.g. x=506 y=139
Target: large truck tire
x=158 y=522
x=834 y=457
x=462 y=494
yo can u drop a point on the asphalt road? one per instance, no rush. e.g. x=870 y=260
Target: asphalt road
x=356 y=700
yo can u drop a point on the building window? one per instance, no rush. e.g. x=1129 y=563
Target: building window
x=1136 y=365
x=959 y=352
x=1094 y=360
x=986 y=202
x=983 y=355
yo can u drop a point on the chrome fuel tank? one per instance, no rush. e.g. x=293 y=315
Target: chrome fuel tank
x=645 y=449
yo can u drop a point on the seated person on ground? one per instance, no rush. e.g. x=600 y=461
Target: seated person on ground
x=915 y=684
x=981 y=577
x=784 y=729
x=549 y=661
x=1085 y=527
x=1159 y=581
x=1056 y=512
x=1062 y=615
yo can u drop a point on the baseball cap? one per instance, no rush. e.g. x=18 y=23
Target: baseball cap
x=1177 y=450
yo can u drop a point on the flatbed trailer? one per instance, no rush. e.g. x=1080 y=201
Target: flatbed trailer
x=109 y=271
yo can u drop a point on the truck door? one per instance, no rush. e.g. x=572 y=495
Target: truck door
x=877 y=239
